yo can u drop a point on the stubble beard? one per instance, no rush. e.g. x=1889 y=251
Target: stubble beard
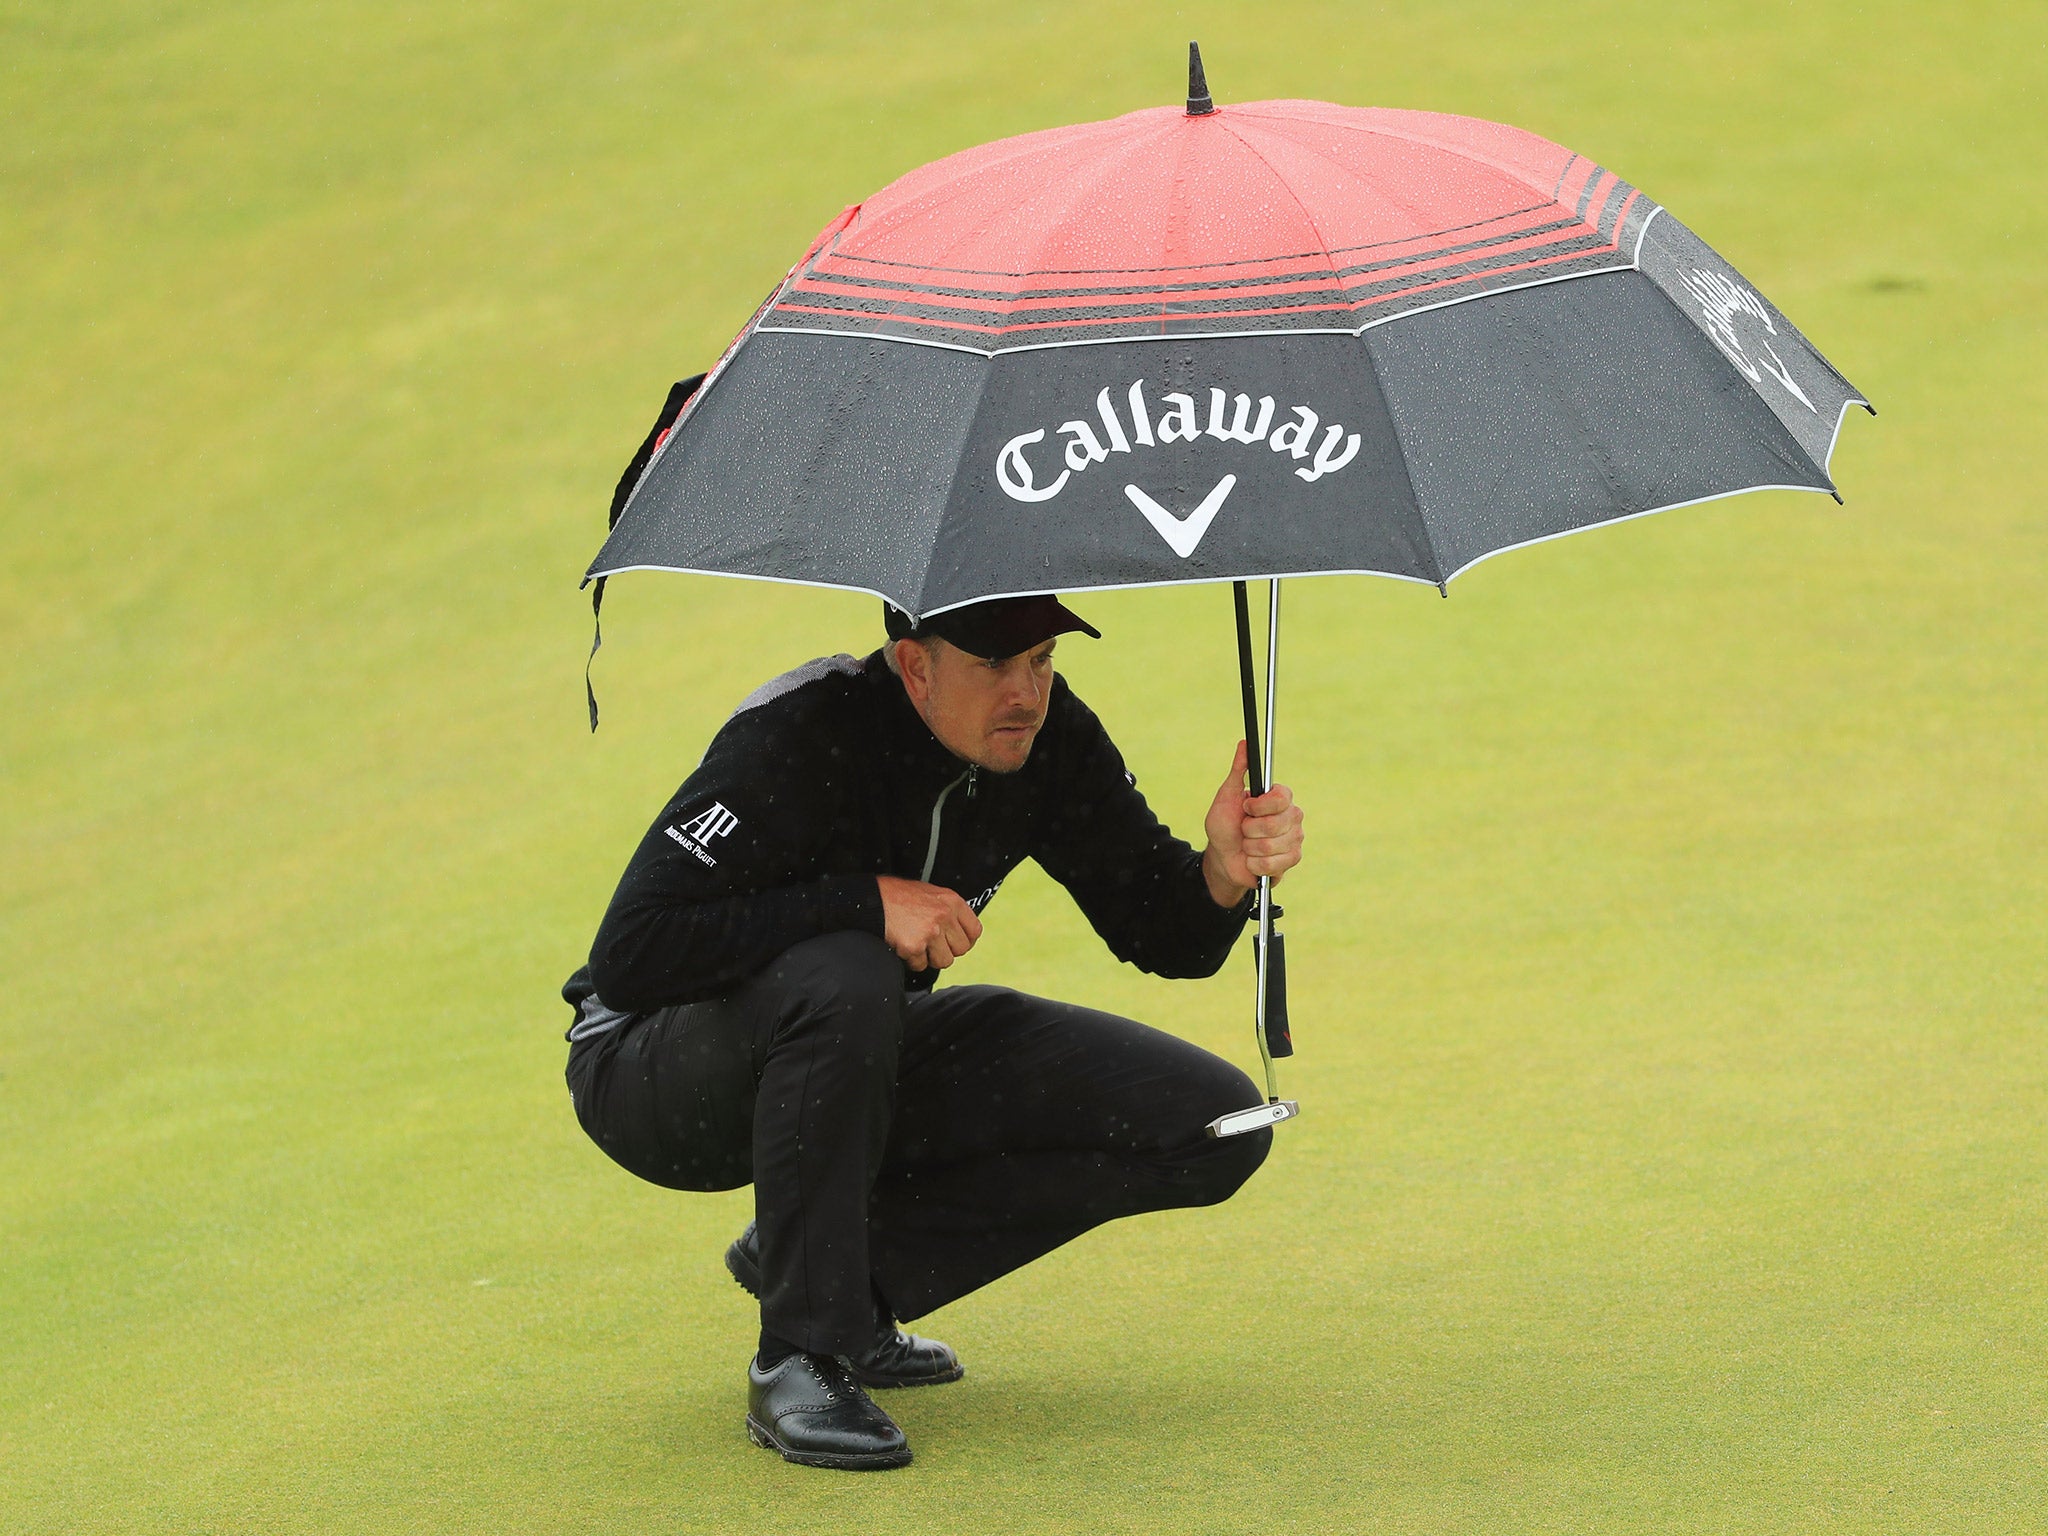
x=995 y=744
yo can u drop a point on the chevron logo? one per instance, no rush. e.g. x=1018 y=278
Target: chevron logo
x=1183 y=533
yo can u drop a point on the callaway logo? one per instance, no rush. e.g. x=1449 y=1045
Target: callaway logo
x=1231 y=420
x=700 y=829
x=1723 y=303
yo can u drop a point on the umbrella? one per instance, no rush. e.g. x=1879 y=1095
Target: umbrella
x=1225 y=343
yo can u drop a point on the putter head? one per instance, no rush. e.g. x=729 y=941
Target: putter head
x=1238 y=1121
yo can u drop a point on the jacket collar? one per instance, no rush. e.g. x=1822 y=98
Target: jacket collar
x=914 y=753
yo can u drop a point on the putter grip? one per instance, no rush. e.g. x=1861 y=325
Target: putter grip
x=1279 y=1039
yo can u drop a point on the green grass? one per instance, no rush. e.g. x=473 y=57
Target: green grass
x=1670 y=959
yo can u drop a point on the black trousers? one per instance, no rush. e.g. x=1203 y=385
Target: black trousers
x=915 y=1145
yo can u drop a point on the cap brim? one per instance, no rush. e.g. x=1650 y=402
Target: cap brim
x=1008 y=626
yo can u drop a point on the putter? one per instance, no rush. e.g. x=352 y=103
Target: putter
x=1269 y=1017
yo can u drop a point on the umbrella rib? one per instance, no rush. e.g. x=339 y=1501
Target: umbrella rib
x=1542 y=201
x=923 y=202
x=1347 y=171
x=1381 y=130
x=1106 y=166
x=1322 y=244
x=959 y=457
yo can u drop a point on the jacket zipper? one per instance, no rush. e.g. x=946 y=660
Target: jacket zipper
x=931 y=850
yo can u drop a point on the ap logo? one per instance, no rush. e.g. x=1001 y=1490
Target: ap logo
x=698 y=832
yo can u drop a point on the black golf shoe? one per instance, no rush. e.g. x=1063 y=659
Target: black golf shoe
x=895 y=1359
x=811 y=1411
x=743 y=1261
x=900 y=1359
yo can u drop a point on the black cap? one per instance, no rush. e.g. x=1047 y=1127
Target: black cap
x=1003 y=626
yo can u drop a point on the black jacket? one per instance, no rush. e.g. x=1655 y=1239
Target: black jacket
x=826 y=777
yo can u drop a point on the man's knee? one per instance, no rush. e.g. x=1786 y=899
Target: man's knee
x=1235 y=1160
x=850 y=983
x=1221 y=1164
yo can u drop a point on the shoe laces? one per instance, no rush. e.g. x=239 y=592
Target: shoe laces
x=836 y=1379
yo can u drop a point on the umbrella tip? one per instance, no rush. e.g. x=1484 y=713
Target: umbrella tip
x=1199 y=104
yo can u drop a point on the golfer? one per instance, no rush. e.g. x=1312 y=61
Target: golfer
x=759 y=1003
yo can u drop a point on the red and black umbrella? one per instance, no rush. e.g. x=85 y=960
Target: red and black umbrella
x=1220 y=343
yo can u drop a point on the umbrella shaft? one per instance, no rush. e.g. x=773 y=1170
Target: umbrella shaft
x=1259 y=755
x=1246 y=681
x=1272 y=670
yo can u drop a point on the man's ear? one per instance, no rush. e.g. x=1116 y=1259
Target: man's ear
x=914 y=665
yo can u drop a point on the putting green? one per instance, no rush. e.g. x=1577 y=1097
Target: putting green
x=1669 y=962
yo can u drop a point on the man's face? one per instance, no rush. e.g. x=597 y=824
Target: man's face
x=987 y=712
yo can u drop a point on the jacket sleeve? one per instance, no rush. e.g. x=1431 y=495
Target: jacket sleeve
x=723 y=882
x=1140 y=887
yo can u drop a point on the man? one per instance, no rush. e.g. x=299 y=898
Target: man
x=759 y=1002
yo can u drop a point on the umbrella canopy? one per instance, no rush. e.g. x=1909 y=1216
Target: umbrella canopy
x=1200 y=344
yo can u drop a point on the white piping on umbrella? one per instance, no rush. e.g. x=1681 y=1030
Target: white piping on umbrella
x=798 y=581
x=1638 y=259
x=1184 y=581
x=1195 y=581
x=1627 y=517
x=1828 y=458
x=1199 y=581
x=990 y=597
x=1541 y=282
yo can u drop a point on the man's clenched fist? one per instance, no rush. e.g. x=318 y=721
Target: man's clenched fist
x=1249 y=835
x=928 y=926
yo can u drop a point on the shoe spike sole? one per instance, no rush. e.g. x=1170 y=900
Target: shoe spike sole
x=883 y=1461
x=894 y=1383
